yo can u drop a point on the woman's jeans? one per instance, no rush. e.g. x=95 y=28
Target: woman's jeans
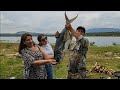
x=49 y=69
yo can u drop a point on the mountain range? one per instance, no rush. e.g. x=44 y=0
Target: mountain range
x=89 y=32
x=93 y=30
x=33 y=33
x=98 y=30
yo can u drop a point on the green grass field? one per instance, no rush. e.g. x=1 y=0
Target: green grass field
x=12 y=66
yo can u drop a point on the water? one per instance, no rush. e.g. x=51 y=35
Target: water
x=99 y=41
x=104 y=41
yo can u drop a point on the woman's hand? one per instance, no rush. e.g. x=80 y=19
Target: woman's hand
x=52 y=61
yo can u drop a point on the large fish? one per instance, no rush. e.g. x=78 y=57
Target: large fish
x=63 y=41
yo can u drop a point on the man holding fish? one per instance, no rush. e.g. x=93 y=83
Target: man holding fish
x=78 y=51
x=77 y=61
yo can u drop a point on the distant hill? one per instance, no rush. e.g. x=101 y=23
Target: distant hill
x=33 y=33
x=97 y=30
x=22 y=32
x=89 y=32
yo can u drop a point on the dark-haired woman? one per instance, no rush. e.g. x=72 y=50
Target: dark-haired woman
x=43 y=42
x=34 y=58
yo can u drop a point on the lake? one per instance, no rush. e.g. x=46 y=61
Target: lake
x=99 y=40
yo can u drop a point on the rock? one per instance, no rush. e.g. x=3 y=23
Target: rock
x=117 y=57
x=109 y=54
x=108 y=77
x=13 y=55
x=12 y=77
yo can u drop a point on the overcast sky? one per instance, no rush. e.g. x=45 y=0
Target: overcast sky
x=52 y=21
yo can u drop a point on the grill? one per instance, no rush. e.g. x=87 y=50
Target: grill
x=117 y=74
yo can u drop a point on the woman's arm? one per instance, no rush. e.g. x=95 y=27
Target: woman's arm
x=29 y=60
x=48 y=61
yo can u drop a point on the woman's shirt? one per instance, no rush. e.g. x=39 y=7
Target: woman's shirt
x=48 y=49
x=33 y=71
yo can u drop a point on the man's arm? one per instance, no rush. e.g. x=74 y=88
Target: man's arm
x=69 y=27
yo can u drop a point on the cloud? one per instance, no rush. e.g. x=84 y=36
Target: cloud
x=52 y=21
x=5 y=20
x=107 y=20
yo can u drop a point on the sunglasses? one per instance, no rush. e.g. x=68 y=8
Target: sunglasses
x=44 y=39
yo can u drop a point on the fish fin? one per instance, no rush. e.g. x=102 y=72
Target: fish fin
x=71 y=20
x=66 y=18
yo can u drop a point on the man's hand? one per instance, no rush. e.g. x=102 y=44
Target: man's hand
x=57 y=34
x=68 y=26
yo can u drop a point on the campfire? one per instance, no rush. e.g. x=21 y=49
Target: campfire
x=101 y=69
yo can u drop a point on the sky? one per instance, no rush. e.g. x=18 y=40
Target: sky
x=52 y=21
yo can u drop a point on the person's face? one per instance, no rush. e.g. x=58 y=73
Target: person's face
x=80 y=31
x=28 y=42
x=44 y=41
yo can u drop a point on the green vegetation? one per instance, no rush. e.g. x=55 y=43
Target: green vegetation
x=12 y=66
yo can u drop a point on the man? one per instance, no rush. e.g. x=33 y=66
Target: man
x=77 y=62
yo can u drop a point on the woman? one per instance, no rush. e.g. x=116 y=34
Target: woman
x=43 y=42
x=34 y=58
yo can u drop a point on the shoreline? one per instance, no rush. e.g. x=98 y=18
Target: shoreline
x=9 y=42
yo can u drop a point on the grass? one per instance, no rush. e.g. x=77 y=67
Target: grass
x=13 y=66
